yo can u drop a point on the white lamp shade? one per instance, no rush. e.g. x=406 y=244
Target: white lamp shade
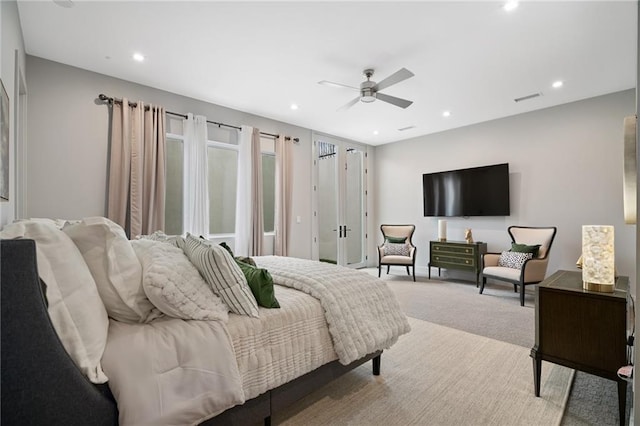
x=598 y=257
x=442 y=230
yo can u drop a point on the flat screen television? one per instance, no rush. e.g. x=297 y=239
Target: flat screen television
x=477 y=191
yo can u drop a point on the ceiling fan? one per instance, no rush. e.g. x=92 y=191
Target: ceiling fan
x=370 y=90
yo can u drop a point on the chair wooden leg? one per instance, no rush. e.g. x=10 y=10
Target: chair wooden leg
x=414 y=273
x=522 y=294
x=379 y=267
x=515 y=288
x=483 y=281
x=388 y=266
x=408 y=272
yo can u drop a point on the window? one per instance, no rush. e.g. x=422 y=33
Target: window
x=269 y=190
x=174 y=190
x=222 y=159
x=223 y=182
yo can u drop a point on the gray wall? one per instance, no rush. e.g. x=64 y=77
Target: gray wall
x=68 y=142
x=11 y=51
x=565 y=170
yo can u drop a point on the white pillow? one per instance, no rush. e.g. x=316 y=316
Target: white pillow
x=176 y=240
x=394 y=249
x=223 y=274
x=115 y=268
x=75 y=308
x=174 y=285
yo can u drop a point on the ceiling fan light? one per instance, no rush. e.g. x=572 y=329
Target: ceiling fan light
x=368 y=96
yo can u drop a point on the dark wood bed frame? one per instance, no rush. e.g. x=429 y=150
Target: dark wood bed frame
x=41 y=384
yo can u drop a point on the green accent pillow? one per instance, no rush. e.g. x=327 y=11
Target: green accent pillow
x=261 y=284
x=396 y=240
x=523 y=248
x=244 y=259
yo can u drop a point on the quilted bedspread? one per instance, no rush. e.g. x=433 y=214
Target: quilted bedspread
x=362 y=313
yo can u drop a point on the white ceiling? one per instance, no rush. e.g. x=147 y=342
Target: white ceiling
x=472 y=58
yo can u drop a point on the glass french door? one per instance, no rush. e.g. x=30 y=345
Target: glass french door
x=340 y=204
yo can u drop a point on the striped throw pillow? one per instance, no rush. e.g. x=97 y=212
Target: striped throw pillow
x=223 y=274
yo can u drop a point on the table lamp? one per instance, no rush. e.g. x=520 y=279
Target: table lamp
x=598 y=259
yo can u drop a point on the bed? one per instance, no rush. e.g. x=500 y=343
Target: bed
x=280 y=357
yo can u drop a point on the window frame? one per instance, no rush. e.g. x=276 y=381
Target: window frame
x=228 y=146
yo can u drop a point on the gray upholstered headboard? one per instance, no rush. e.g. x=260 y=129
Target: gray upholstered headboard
x=40 y=383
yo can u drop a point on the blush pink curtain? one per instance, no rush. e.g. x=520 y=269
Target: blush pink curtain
x=136 y=196
x=257 y=227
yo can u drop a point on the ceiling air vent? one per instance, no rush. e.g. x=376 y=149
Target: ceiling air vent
x=406 y=128
x=526 y=98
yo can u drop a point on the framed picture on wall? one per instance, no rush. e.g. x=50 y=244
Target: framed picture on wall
x=4 y=145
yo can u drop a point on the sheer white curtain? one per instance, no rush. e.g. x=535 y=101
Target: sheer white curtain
x=283 y=195
x=196 y=190
x=249 y=210
x=136 y=199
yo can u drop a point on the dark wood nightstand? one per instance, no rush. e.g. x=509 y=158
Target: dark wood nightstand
x=582 y=329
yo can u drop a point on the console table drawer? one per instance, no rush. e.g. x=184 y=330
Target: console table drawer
x=456 y=250
x=456 y=261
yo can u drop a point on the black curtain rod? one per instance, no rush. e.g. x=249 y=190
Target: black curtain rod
x=106 y=98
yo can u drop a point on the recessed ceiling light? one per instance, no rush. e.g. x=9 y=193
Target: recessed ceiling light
x=294 y=106
x=510 y=5
x=375 y=132
x=446 y=113
x=138 y=57
x=557 y=84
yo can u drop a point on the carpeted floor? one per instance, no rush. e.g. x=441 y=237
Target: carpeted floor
x=437 y=375
x=497 y=314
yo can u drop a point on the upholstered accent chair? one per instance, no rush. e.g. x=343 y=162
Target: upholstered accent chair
x=397 y=248
x=526 y=262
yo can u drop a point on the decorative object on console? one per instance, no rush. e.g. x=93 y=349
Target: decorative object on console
x=468 y=236
x=598 y=258
x=442 y=230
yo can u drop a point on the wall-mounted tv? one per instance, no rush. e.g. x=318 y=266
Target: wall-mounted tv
x=477 y=191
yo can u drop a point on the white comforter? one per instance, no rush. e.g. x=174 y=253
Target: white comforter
x=362 y=313
x=171 y=371
x=181 y=372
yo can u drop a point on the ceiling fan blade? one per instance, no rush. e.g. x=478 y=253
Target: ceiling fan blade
x=400 y=75
x=332 y=84
x=349 y=104
x=402 y=103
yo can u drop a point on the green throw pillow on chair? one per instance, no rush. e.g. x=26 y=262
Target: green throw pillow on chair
x=523 y=248
x=396 y=240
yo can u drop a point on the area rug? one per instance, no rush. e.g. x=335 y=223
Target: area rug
x=437 y=375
